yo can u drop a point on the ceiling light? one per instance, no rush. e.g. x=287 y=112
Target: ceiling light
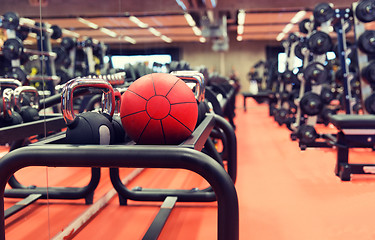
x=108 y=32
x=154 y=31
x=129 y=39
x=189 y=19
x=166 y=39
x=240 y=29
x=239 y=38
x=202 y=39
x=210 y=3
x=298 y=17
x=197 y=31
x=241 y=17
x=138 y=22
x=88 y=23
x=280 y=36
x=288 y=27
x=70 y=33
x=213 y=3
x=181 y=4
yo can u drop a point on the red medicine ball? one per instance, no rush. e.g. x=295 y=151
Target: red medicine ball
x=159 y=108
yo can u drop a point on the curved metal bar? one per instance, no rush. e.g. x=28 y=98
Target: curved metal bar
x=67 y=96
x=86 y=192
x=134 y=157
x=196 y=77
x=56 y=98
x=192 y=195
x=231 y=146
x=9 y=83
x=18 y=96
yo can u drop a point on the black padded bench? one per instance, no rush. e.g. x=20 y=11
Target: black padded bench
x=355 y=131
x=259 y=97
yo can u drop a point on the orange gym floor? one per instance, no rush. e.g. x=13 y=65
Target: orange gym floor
x=284 y=193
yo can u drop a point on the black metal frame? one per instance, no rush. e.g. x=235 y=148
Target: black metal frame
x=343 y=168
x=226 y=106
x=184 y=156
x=174 y=157
x=259 y=97
x=200 y=138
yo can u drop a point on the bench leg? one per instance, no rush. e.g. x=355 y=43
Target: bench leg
x=244 y=103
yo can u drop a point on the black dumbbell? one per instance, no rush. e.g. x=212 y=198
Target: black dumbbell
x=300 y=49
x=289 y=77
x=319 y=42
x=89 y=127
x=68 y=43
x=326 y=95
x=315 y=73
x=57 y=32
x=303 y=25
x=306 y=134
x=323 y=12
x=12 y=48
x=22 y=33
x=366 y=42
x=27 y=103
x=10 y=20
x=365 y=10
x=311 y=104
x=17 y=73
x=62 y=56
x=368 y=72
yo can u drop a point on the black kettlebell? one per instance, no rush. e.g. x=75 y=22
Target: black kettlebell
x=88 y=127
x=8 y=117
x=27 y=103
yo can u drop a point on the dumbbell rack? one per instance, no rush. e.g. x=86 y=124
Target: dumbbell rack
x=184 y=156
x=355 y=131
x=47 y=57
x=328 y=140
